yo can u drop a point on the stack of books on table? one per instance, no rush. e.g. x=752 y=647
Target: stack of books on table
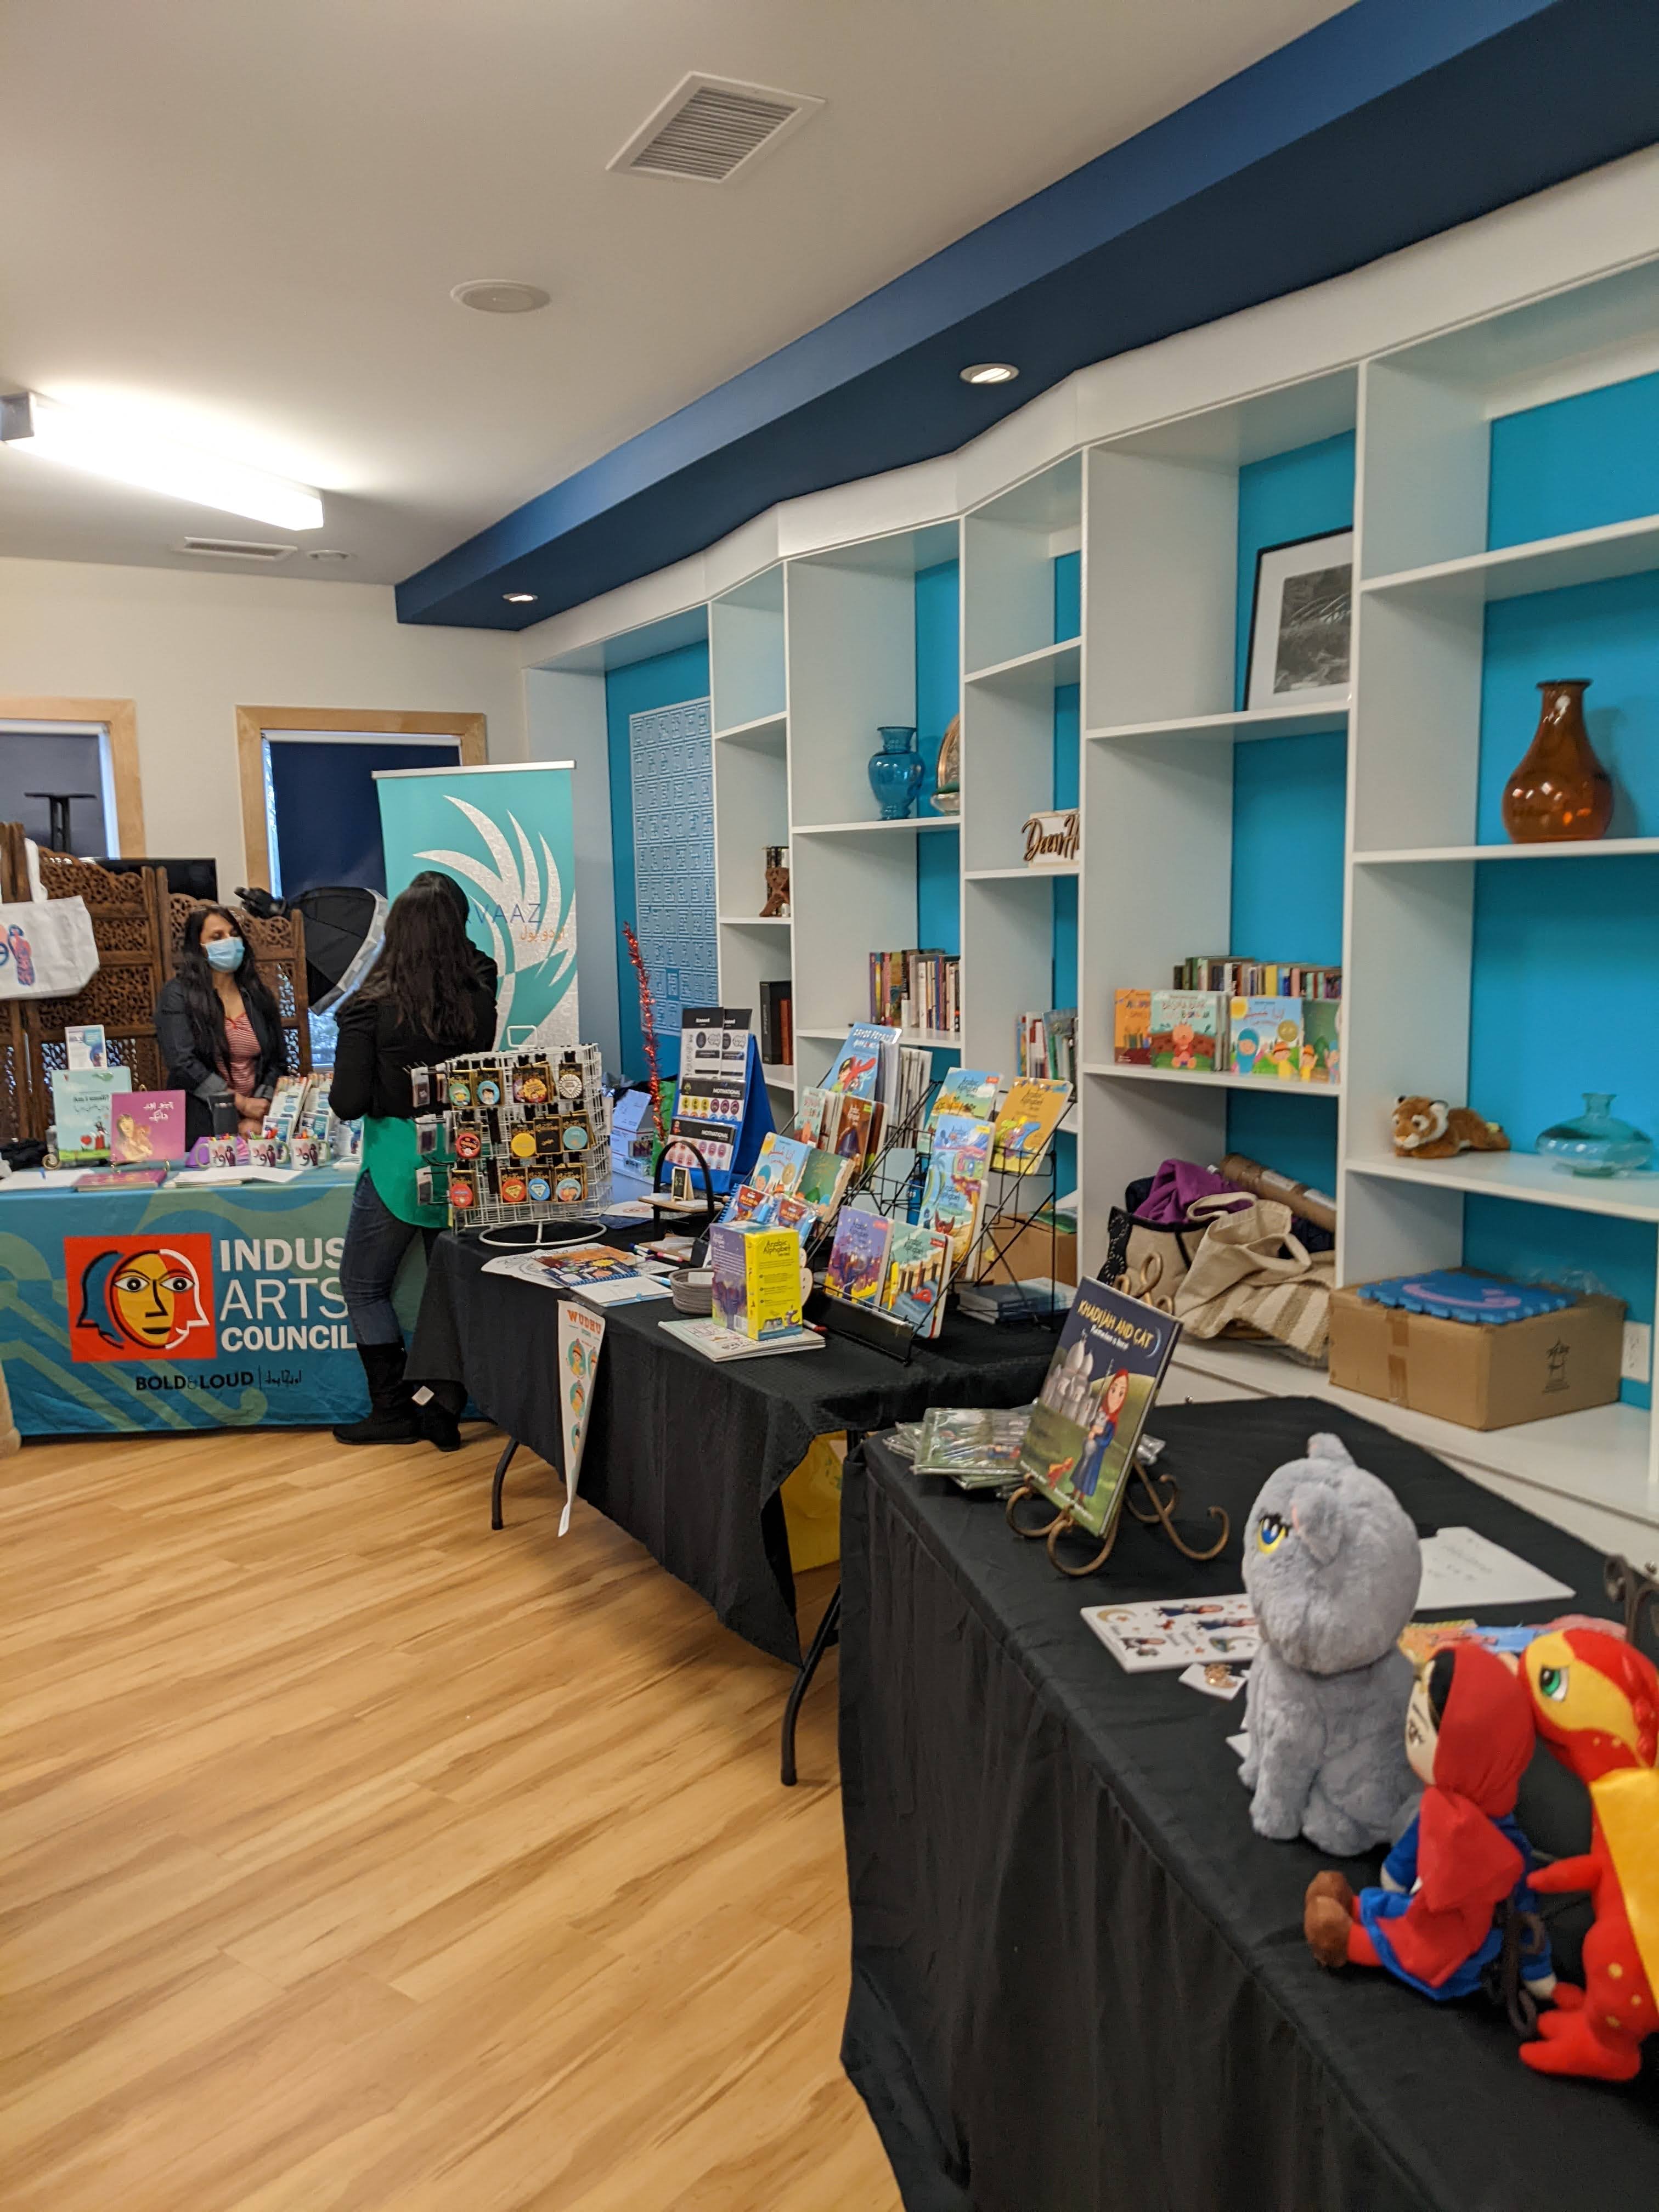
x=1032 y=1300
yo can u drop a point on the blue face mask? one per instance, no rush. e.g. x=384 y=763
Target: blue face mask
x=225 y=953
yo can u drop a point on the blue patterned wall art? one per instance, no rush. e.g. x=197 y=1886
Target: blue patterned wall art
x=672 y=769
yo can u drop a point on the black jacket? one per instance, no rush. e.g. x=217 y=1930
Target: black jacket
x=374 y=1052
x=200 y=1081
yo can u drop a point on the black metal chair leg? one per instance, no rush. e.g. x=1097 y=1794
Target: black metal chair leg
x=501 y=1466
x=809 y=1666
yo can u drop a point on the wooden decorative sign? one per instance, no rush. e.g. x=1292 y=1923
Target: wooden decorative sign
x=1051 y=840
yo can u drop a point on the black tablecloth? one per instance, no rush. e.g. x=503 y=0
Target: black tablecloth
x=687 y=1455
x=1079 y=1981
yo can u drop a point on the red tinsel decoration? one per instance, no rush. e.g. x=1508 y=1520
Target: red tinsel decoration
x=648 y=1029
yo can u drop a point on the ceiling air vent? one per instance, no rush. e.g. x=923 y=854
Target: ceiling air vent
x=709 y=128
x=235 y=549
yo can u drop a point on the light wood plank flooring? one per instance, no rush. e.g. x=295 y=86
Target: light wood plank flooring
x=354 y=1857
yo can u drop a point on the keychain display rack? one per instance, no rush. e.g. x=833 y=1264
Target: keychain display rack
x=515 y=1140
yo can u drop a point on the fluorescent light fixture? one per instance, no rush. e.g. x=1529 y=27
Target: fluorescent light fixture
x=131 y=454
x=520 y=598
x=989 y=372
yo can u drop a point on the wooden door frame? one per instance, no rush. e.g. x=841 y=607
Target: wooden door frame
x=469 y=732
x=120 y=720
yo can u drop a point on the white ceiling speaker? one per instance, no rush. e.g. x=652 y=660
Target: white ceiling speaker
x=711 y=128
x=500 y=295
x=235 y=549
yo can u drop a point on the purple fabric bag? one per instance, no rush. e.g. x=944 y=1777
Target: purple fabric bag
x=1175 y=1185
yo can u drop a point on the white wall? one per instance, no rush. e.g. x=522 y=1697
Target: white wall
x=189 y=650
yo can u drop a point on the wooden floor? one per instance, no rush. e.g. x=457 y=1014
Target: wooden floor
x=352 y=1858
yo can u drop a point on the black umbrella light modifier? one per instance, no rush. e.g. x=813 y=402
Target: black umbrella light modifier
x=343 y=925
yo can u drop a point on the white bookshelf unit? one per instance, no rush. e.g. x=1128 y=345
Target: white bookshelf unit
x=811 y=654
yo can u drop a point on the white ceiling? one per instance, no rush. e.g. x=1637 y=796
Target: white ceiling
x=244 y=217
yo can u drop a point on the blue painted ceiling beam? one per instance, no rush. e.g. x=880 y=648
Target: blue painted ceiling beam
x=1391 y=121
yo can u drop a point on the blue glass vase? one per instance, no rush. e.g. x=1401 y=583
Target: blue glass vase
x=896 y=771
x=1597 y=1142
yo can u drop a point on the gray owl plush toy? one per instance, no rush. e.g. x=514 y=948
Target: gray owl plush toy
x=1332 y=1565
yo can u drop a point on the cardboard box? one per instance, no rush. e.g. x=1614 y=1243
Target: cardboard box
x=1030 y=1252
x=1474 y=1374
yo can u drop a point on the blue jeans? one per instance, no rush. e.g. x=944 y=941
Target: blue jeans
x=375 y=1243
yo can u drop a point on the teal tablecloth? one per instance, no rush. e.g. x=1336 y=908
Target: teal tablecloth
x=181 y=1308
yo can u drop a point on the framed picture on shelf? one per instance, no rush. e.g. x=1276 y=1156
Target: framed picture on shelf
x=1301 y=622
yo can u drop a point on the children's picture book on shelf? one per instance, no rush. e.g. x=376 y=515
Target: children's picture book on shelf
x=148 y=1125
x=781 y=1163
x=84 y=1102
x=918 y=1269
x=1030 y=1113
x=856 y=1130
x=1183 y=1631
x=1266 y=1038
x=1131 y=1029
x=970 y=1090
x=1093 y=1404
x=857 y=1256
x=954 y=1193
x=1189 y=1031
x=863 y=1061
x=823 y=1180
x=1321 y=1042
x=976 y=1451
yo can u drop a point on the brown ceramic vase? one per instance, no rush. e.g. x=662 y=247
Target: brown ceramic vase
x=1560 y=791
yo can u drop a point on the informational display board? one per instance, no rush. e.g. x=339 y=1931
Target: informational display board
x=179 y=1308
x=506 y=835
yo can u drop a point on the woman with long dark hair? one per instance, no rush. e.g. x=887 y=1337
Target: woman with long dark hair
x=429 y=997
x=217 y=1026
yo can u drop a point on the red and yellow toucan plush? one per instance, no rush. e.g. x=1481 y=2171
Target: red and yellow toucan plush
x=1596 y=1702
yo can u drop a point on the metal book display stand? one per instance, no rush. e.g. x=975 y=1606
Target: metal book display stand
x=1001 y=1228
x=1163 y=1495
x=891 y=1177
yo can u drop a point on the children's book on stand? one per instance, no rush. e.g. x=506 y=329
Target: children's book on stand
x=1031 y=1112
x=918 y=1270
x=969 y=1091
x=149 y=1126
x=1093 y=1404
x=953 y=1195
x=858 y=1257
x=84 y=1104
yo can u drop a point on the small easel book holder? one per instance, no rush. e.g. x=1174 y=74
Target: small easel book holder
x=1162 y=1496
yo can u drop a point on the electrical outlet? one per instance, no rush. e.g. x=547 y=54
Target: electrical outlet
x=1638 y=1363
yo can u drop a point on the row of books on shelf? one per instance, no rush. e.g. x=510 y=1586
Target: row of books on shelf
x=1237 y=977
x=1278 y=1039
x=920 y=989
x=1046 y=1044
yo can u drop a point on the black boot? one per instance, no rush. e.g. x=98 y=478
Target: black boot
x=391 y=1419
x=436 y=1407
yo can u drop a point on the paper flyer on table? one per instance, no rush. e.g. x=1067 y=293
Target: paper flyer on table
x=1463 y=1569
x=582 y=1333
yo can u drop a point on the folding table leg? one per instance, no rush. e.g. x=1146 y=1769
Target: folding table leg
x=501 y=1466
x=821 y=1642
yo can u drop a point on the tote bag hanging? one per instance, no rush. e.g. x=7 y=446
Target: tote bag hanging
x=47 y=949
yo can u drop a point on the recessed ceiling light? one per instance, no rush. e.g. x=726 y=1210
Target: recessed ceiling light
x=520 y=598
x=498 y=295
x=990 y=372
x=127 y=452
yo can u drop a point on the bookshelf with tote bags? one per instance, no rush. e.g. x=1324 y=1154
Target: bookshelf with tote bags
x=1500 y=485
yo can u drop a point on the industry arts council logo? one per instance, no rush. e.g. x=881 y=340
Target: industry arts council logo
x=140 y=1297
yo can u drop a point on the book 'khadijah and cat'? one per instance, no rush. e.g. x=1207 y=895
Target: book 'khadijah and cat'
x=1094 y=1403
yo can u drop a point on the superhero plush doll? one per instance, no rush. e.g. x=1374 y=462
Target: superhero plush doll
x=1597 y=1707
x=1469 y=1738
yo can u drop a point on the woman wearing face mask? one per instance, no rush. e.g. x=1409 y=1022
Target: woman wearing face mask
x=217 y=1026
